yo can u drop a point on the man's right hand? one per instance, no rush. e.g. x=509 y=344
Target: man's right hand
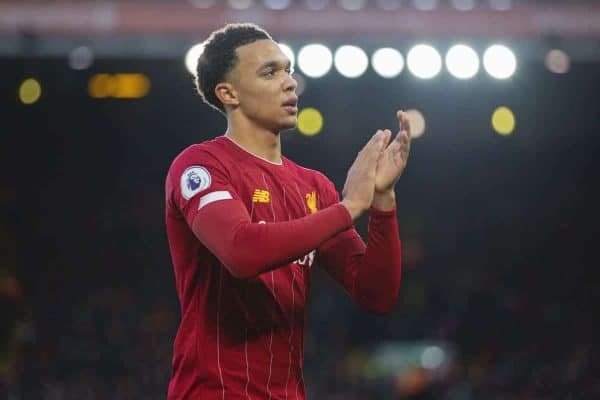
x=360 y=181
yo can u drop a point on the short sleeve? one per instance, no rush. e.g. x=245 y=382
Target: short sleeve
x=196 y=180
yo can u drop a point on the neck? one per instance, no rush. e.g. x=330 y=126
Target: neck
x=257 y=140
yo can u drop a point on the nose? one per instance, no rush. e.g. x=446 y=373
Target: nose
x=290 y=84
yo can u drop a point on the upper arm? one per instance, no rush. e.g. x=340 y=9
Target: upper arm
x=196 y=180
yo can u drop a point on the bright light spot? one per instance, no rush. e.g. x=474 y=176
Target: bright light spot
x=277 y=4
x=501 y=5
x=417 y=123
x=289 y=53
x=388 y=5
x=425 y=5
x=131 y=86
x=424 y=61
x=462 y=61
x=463 y=5
x=317 y=4
x=301 y=83
x=503 y=121
x=240 y=4
x=121 y=86
x=100 y=86
x=558 y=61
x=432 y=357
x=310 y=121
x=202 y=3
x=30 y=91
x=81 y=58
x=499 y=61
x=191 y=57
x=352 y=5
x=351 y=61
x=387 y=62
x=315 y=60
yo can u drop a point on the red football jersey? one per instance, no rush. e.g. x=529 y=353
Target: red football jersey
x=240 y=338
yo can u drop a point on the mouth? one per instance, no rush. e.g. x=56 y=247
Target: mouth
x=291 y=105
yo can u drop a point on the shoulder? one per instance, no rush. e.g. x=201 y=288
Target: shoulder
x=202 y=163
x=209 y=154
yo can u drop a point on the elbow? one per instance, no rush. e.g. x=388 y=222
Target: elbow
x=241 y=268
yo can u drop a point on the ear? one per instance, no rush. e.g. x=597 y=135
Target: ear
x=227 y=94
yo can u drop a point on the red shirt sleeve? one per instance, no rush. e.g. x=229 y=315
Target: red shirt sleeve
x=197 y=178
x=370 y=273
x=218 y=217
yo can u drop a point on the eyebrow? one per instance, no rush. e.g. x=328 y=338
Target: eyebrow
x=274 y=64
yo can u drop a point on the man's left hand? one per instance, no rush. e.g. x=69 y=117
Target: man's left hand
x=393 y=159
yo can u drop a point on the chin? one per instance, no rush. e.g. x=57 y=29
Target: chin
x=288 y=125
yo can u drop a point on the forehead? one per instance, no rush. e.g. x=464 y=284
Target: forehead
x=255 y=54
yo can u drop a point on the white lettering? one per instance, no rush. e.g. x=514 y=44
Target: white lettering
x=307 y=260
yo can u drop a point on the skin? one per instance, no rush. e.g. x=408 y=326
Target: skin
x=254 y=94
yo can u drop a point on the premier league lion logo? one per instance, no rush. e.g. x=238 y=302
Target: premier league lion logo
x=193 y=180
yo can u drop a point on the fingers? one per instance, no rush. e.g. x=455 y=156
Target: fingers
x=376 y=144
x=403 y=122
x=404 y=134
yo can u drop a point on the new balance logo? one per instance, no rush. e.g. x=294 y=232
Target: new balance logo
x=261 y=196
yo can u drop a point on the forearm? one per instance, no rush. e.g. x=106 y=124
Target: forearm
x=248 y=249
x=378 y=276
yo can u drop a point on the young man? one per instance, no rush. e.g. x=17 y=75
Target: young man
x=245 y=226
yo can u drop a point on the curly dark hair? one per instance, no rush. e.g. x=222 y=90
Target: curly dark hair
x=219 y=58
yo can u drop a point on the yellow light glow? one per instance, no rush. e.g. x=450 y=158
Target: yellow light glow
x=503 y=121
x=30 y=91
x=121 y=86
x=98 y=86
x=131 y=86
x=310 y=121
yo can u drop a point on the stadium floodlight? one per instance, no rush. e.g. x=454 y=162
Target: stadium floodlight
x=30 y=91
x=240 y=4
x=425 y=5
x=424 y=61
x=463 y=5
x=388 y=5
x=462 y=61
x=558 y=61
x=81 y=58
x=315 y=60
x=499 y=61
x=387 y=62
x=432 y=357
x=501 y=5
x=277 y=4
x=289 y=53
x=352 y=5
x=351 y=61
x=317 y=4
x=191 y=57
x=417 y=123
x=202 y=3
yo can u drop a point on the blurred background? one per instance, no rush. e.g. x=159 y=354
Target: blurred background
x=498 y=208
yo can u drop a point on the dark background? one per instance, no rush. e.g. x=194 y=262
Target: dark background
x=499 y=233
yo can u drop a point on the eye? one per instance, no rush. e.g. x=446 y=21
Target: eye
x=269 y=72
x=289 y=70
